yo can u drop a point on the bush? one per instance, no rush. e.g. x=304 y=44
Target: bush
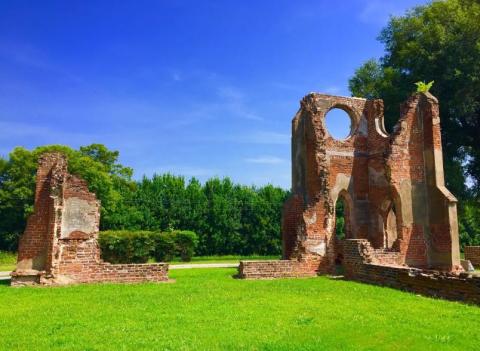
x=126 y=246
x=186 y=243
x=164 y=247
x=123 y=246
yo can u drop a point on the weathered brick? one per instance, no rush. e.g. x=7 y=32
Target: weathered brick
x=60 y=245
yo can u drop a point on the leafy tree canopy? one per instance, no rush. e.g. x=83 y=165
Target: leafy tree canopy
x=441 y=42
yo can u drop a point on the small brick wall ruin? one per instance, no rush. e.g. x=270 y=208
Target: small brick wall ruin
x=393 y=191
x=472 y=253
x=59 y=245
x=361 y=264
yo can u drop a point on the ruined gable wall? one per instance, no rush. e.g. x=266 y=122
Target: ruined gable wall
x=392 y=186
x=321 y=170
x=427 y=211
x=63 y=232
x=33 y=251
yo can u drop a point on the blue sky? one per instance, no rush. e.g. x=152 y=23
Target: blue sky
x=197 y=88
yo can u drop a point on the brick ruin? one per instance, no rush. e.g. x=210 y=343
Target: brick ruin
x=399 y=216
x=60 y=243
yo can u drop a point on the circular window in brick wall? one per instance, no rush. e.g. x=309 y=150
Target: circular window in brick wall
x=339 y=123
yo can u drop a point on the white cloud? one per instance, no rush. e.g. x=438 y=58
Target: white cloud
x=266 y=160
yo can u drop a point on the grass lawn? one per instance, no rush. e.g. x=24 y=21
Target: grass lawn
x=209 y=310
x=225 y=259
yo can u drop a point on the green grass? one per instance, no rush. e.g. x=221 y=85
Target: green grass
x=209 y=310
x=8 y=261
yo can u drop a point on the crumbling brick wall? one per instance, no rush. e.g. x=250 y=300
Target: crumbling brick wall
x=392 y=186
x=361 y=264
x=60 y=243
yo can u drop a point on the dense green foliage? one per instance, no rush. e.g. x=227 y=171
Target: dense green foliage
x=228 y=218
x=441 y=42
x=125 y=246
x=205 y=309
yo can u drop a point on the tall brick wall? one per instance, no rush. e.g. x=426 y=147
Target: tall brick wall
x=392 y=187
x=33 y=244
x=472 y=253
x=60 y=244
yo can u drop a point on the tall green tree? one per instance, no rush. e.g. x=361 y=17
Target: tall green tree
x=440 y=42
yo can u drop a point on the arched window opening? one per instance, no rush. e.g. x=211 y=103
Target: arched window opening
x=340 y=219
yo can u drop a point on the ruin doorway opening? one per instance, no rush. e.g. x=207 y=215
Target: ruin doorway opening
x=341 y=230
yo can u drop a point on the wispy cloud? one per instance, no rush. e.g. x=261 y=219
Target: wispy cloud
x=233 y=101
x=249 y=137
x=13 y=131
x=26 y=55
x=262 y=137
x=266 y=160
x=177 y=77
x=380 y=11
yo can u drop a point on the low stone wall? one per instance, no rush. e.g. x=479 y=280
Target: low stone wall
x=472 y=253
x=359 y=267
x=96 y=273
x=275 y=269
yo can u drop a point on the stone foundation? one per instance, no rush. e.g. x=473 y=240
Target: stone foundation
x=59 y=245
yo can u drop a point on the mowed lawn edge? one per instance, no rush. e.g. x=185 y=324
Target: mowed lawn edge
x=210 y=310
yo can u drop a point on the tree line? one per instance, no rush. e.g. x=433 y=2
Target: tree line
x=228 y=218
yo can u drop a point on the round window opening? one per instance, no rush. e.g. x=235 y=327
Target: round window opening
x=339 y=123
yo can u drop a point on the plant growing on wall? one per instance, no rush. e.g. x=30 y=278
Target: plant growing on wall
x=423 y=87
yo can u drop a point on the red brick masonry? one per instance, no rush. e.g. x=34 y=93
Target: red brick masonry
x=397 y=209
x=59 y=245
x=451 y=286
x=275 y=269
x=472 y=253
